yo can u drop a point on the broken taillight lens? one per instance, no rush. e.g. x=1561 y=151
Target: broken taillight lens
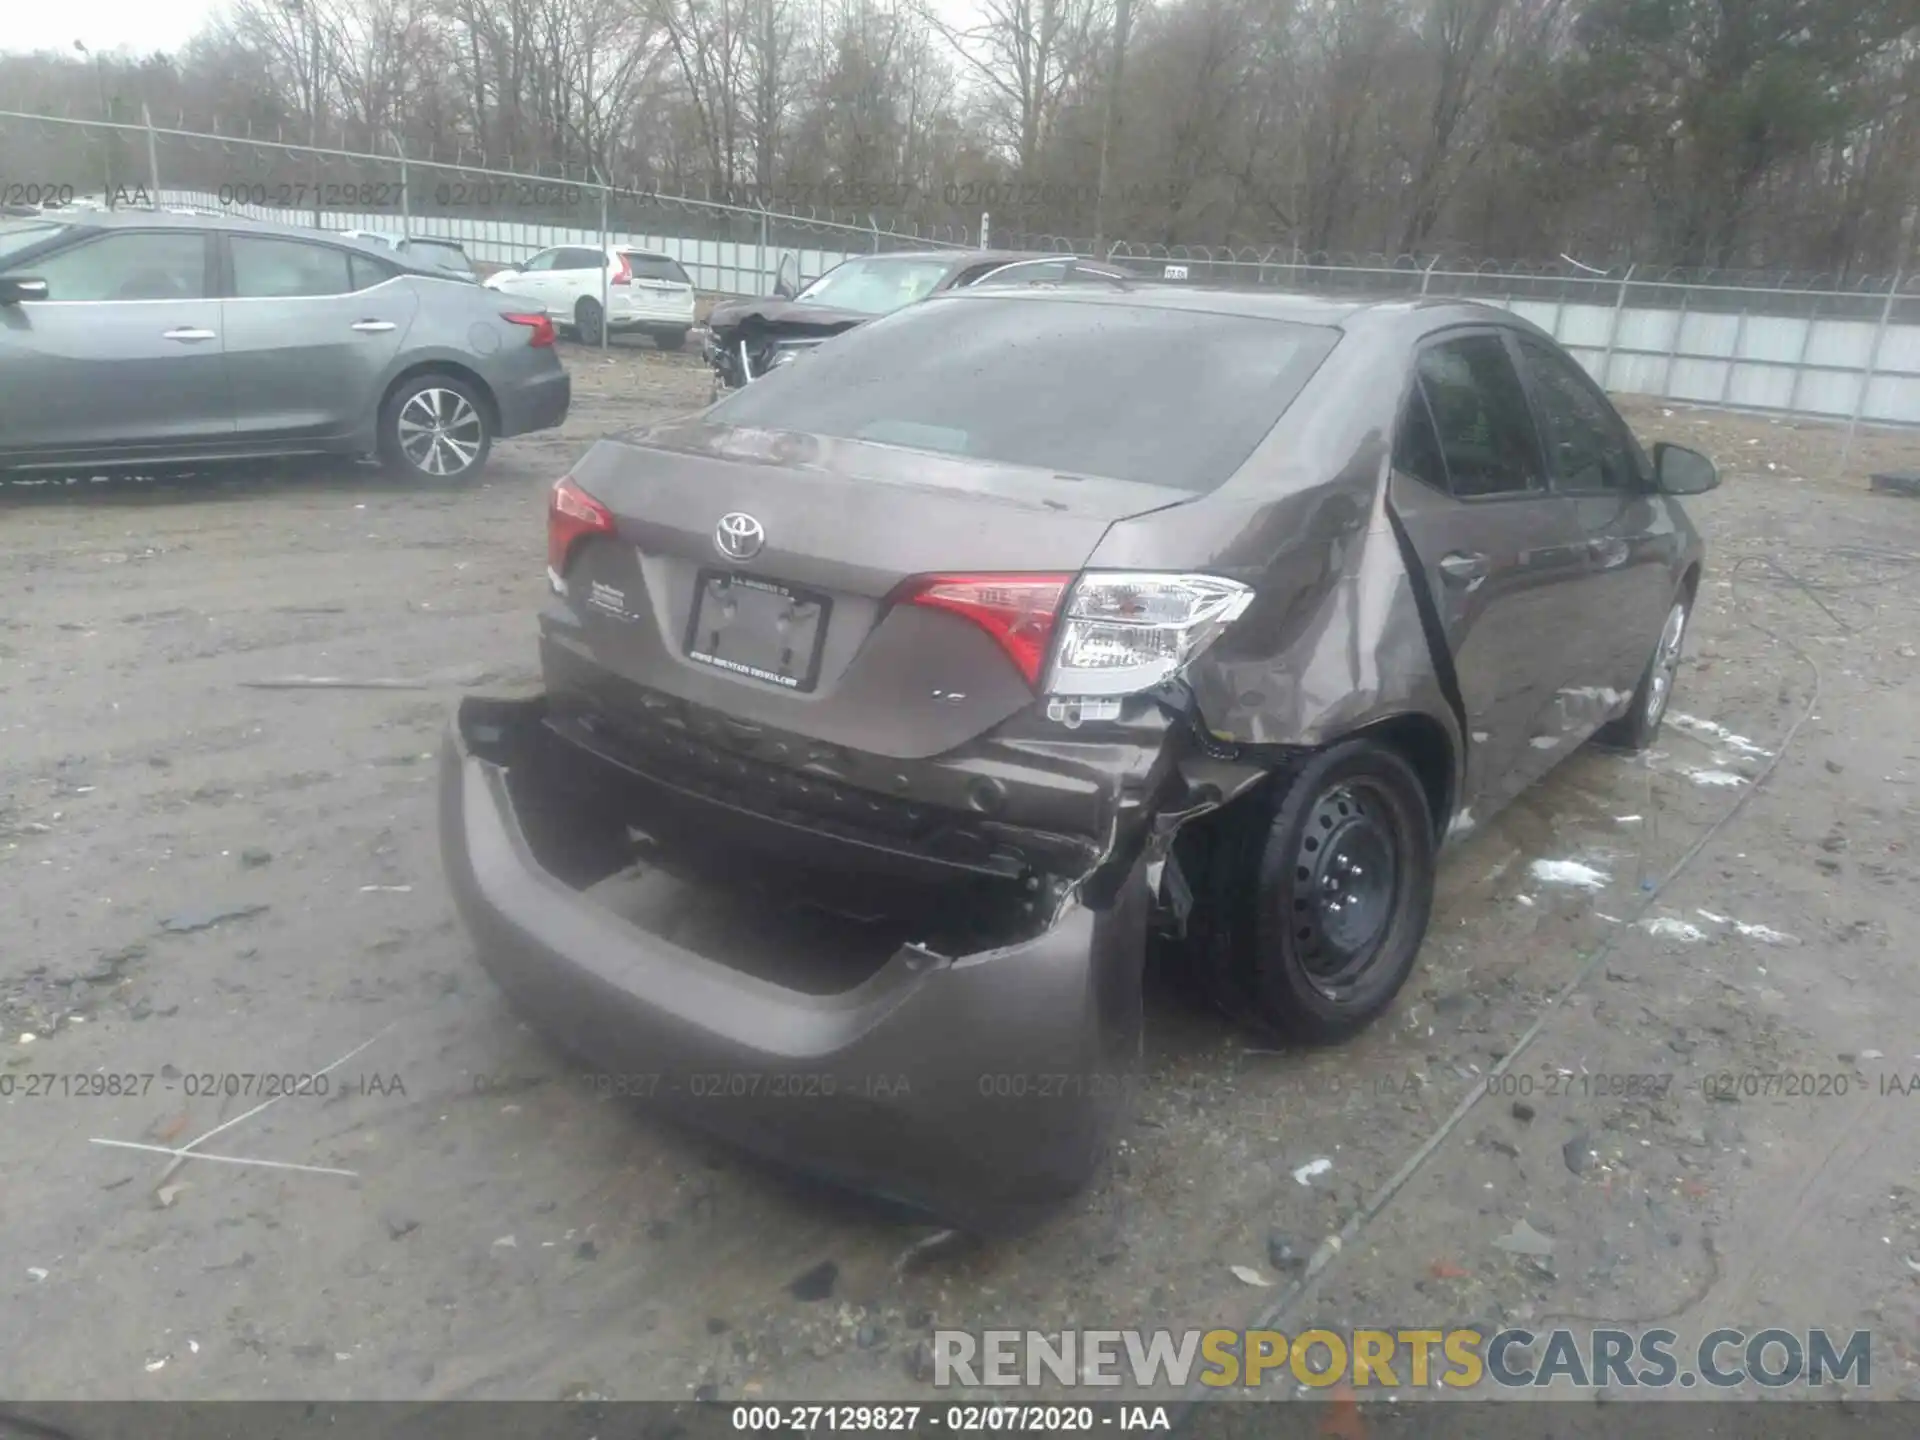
x=1016 y=610
x=624 y=275
x=1127 y=632
x=572 y=516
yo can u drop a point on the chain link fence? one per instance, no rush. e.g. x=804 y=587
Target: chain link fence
x=1783 y=344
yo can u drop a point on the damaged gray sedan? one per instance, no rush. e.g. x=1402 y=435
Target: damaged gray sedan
x=895 y=704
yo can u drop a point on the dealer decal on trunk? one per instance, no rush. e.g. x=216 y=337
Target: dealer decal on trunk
x=612 y=601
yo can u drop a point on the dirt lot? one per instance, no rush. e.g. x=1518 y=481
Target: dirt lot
x=206 y=878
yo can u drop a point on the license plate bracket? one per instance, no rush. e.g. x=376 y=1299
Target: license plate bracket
x=763 y=629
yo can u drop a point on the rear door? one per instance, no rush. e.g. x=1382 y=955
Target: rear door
x=535 y=280
x=124 y=354
x=578 y=273
x=1502 y=555
x=311 y=329
x=1599 y=467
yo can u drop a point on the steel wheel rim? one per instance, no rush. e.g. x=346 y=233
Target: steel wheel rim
x=440 y=432
x=1666 y=663
x=1346 y=890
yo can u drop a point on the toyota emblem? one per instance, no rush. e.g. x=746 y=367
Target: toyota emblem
x=739 y=536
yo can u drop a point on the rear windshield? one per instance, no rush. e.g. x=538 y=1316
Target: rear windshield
x=655 y=267
x=1169 y=397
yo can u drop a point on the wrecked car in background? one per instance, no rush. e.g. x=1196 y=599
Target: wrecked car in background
x=893 y=703
x=747 y=338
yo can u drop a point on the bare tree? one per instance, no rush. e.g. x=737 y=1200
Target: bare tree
x=708 y=38
x=1768 y=133
x=1023 y=52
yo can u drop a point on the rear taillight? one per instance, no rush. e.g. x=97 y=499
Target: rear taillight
x=572 y=516
x=541 y=326
x=622 y=276
x=1127 y=632
x=1017 y=610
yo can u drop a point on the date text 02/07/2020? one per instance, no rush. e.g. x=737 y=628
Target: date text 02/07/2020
x=964 y=1419
x=54 y=195
x=192 y=1084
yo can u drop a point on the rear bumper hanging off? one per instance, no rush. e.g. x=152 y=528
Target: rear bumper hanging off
x=980 y=1088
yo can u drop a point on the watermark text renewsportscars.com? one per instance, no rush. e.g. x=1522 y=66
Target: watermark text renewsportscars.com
x=1393 y=1358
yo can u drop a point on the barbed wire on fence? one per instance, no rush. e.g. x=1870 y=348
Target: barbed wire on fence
x=1781 y=342
x=280 y=154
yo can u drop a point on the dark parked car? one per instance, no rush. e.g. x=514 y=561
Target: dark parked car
x=447 y=255
x=894 y=702
x=139 y=338
x=746 y=338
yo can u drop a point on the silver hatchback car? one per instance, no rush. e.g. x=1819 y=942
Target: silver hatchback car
x=140 y=338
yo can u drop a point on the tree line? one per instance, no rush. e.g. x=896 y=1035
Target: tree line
x=1744 y=134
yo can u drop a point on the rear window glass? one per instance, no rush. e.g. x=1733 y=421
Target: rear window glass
x=655 y=267
x=1168 y=397
x=368 y=272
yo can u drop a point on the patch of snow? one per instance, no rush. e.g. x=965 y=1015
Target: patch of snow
x=1713 y=730
x=1568 y=872
x=1765 y=934
x=1725 y=779
x=1669 y=929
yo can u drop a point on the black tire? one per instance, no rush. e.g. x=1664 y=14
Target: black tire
x=670 y=339
x=460 y=446
x=1637 y=729
x=586 y=320
x=1320 y=896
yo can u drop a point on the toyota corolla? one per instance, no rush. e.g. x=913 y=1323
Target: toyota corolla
x=895 y=704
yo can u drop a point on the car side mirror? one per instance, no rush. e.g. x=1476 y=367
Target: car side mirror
x=24 y=287
x=1680 y=471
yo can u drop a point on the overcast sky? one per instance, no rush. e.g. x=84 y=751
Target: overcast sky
x=105 y=25
x=142 y=26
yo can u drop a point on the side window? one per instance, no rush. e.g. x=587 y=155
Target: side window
x=1027 y=272
x=977 y=274
x=543 y=261
x=1416 y=450
x=1480 y=417
x=368 y=272
x=1590 y=448
x=268 y=268
x=129 y=265
x=574 y=258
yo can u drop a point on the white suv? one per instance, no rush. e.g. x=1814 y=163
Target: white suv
x=581 y=287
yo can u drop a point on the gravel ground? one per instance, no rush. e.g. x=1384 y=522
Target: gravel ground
x=207 y=878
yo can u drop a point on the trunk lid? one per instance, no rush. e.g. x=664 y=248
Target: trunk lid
x=805 y=632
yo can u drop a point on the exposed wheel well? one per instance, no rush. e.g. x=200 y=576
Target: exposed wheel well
x=1422 y=742
x=458 y=372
